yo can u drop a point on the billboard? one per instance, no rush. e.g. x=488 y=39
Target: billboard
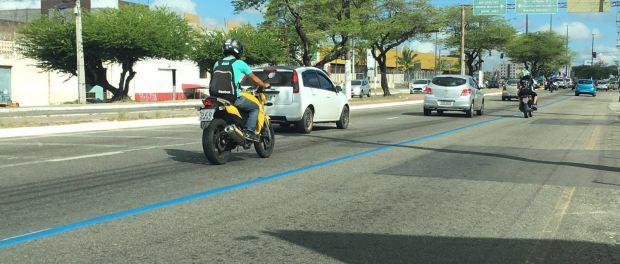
x=588 y=6
x=46 y=5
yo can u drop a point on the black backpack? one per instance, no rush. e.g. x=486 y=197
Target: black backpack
x=222 y=83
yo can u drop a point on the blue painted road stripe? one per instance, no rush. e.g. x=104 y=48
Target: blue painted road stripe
x=122 y=214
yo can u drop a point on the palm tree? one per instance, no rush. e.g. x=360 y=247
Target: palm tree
x=407 y=61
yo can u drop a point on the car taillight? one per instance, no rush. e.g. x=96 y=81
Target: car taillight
x=208 y=102
x=295 y=82
x=428 y=90
x=466 y=92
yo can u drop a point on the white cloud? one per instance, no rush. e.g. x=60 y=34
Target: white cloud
x=576 y=30
x=179 y=6
x=19 y=4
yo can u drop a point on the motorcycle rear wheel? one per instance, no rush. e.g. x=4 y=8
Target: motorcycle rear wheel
x=215 y=142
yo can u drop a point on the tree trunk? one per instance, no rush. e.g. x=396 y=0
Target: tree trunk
x=384 y=81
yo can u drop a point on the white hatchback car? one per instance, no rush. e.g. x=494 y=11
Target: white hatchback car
x=305 y=95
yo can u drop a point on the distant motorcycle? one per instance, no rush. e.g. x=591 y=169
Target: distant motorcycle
x=525 y=102
x=553 y=87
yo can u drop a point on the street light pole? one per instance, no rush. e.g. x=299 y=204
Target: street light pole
x=80 y=53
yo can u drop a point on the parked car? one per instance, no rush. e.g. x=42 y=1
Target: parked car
x=585 y=87
x=360 y=88
x=453 y=93
x=613 y=85
x=306 y=95
x=602 y=85
x=510 y=90
x=418 y=86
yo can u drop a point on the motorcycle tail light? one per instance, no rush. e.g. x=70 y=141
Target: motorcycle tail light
x=208 y=102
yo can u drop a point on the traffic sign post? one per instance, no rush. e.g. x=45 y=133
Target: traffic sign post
x=536 y=6
x=489 y=7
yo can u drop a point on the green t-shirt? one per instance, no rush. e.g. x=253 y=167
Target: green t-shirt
x=240 y=69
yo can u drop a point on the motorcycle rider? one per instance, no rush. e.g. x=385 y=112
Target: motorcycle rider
x=527 y=87
x=245 y=102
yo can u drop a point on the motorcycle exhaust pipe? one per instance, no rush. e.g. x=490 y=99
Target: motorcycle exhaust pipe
x=235 y=134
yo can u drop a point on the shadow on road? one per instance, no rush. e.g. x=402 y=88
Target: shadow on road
x=198 y=158
x=357 y=248
x=479 y=153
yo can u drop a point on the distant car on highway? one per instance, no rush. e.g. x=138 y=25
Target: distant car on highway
x=602 y=85
x=453 y=93
x=510 y=90
x=360 y=88
x=418 y=86
x=306 y=96
x=585 y=87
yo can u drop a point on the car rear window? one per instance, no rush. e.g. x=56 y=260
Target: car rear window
x=356 y=82
x=449 y=81
x=283 y=78
x=420 y=82
x=585 y=82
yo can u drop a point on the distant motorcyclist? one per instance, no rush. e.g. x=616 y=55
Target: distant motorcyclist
x=527 y=87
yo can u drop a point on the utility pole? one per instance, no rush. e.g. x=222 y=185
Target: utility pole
x=353 y=58
x=436 y=61
x=592 y=62
x=550 y=22
x=566 y=69
x=347 y=73
x=80 y=53
x=527 y=24
x=463 y=40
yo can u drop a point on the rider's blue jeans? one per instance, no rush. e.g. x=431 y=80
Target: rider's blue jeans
x=246 y=105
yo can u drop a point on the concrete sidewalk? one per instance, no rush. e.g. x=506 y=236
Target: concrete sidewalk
x=112 y=106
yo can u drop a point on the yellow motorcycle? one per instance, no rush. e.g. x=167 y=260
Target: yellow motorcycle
x=222 y=124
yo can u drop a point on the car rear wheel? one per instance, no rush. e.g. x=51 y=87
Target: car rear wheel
x=481 y=111
x=343 y=123
x=427 y=112
x=307 y=122
x=576 y=94
x=470 y=113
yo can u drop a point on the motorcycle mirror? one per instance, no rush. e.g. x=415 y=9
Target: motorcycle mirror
x=271 y=75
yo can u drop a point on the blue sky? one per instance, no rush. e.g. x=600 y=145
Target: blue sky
x=216 y=12
x=581 y=26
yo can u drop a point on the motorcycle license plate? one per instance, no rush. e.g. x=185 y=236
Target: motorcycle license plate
x=206 y=115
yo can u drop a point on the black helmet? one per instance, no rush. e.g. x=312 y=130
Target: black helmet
x=233 y=46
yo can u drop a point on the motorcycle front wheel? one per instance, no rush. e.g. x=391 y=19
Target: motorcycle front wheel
x=264 y=148
x=215 y=142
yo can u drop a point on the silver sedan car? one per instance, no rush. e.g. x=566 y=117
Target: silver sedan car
x=360 y=88
x=453 y=93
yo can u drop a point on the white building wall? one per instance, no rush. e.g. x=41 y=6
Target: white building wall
x=32 y=86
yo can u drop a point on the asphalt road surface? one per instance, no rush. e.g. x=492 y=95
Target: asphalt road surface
x=396 y=187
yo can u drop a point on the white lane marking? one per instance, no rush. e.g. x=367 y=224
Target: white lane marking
x=86 y=156
x=94 y=155
x=130 y=137
x=392 y=118
x=42 y=144
x=38 y=231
